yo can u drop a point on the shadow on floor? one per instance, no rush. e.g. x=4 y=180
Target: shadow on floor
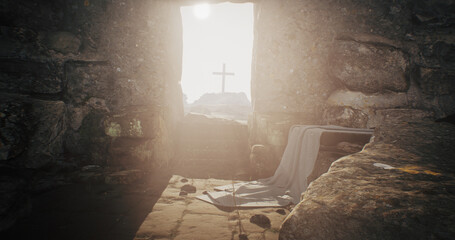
x=89 y=211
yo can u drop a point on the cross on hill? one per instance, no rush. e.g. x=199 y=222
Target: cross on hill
x=223 y=74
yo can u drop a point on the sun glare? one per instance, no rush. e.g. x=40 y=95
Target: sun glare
x=201 y=11
x=226 y=40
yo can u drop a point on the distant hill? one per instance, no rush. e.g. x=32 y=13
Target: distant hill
x=234 y=106
x=238 y=99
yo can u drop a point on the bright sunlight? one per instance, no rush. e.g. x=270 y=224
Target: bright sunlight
x=201 y=11
x=215 y=35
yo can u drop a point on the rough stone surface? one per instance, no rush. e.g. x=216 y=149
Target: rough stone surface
x=30 y=77
x=64 y=42
x=133 y=123
x=369 y=68
x=185 y=217
x=437 y=81
x=32 y=130
x=359 y=100
x=13 y=132
x=49 y=126
x=409 y=196
x=398 y=116
x=346 y=117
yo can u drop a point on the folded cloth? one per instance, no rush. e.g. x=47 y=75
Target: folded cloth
x=290 y=178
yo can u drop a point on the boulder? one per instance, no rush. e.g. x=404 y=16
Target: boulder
x=369 y=68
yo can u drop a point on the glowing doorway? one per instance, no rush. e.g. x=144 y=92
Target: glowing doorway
x=214 y=35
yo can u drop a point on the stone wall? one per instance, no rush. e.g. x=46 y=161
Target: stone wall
x=93 y=60
x=85 y=82
x=349 y=63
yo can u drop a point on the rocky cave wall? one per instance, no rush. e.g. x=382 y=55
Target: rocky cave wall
x=91 y=80
x=84 y=82
x=350 y=63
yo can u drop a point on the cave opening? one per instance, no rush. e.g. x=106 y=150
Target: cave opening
x=217 y=55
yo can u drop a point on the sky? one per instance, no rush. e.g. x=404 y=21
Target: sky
x=224 y=36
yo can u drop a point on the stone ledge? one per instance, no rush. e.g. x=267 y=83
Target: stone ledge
x=361 y=199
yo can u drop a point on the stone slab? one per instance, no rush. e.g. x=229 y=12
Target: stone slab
x=399 y=187
x=185 y=217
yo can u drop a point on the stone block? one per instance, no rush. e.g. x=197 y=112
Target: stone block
x=30 y=77
x=85 y=136
x=33 y=127
x=88 y=79
x=13 y=127
x=398 y=116
x=437 y=81
x=48 y=129
x=345 y=117
x=437 y=54
x=64 y=42
x=369 y=68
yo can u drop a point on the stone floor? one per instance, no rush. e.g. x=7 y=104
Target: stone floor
x=185 y=217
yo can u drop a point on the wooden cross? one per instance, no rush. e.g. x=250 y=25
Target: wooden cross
x=223 y=74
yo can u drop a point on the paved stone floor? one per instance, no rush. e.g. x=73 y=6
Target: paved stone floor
x=185 y=217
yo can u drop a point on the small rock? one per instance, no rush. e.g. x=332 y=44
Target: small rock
x=281 y=211
x=183 y=193
x=184 y=180
x=205 y=192
x=261 y=220
x=188 y=188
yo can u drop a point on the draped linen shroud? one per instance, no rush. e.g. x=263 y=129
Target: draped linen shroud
x=290 y=178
